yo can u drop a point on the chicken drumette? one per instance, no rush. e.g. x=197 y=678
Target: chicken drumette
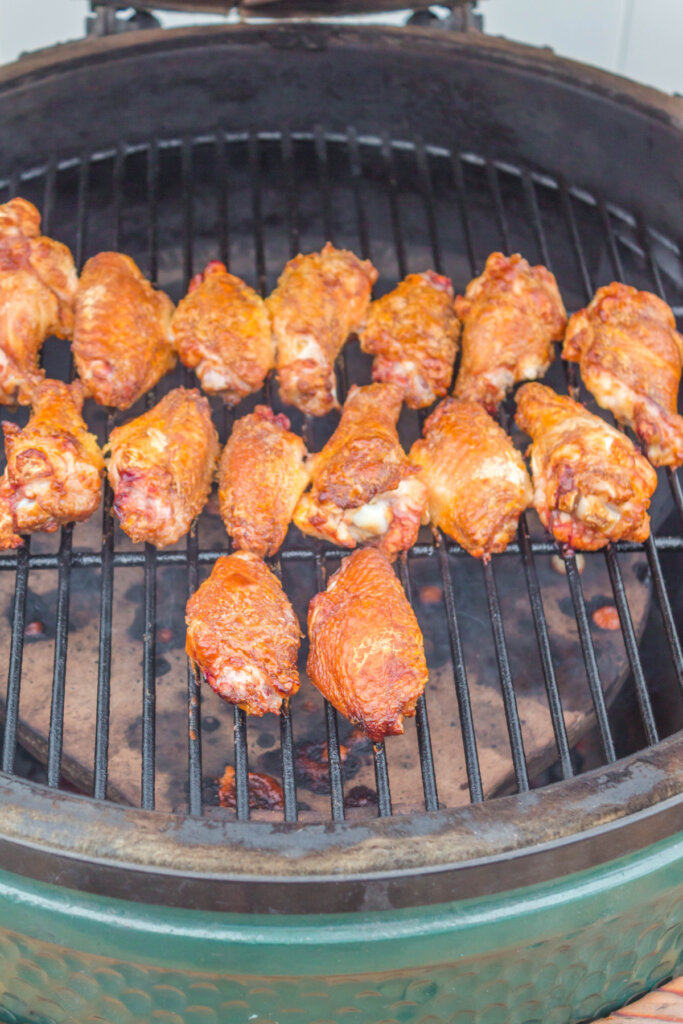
x=261 y=477
x=367 y=652
x=161 y=467
x=54 y=466
x=222 y=332
x=37 y=291
x=243 y=634
x=364 y=489
x=631 y=357
x=319 y=300
x=591 y=486
x=122 y=340
x=511 y=314
x=477 y=483
x=413 y=334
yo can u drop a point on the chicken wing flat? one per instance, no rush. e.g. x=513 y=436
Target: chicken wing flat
x=261 y=476
x=319 y=300
x=512 y=314
x=476 y=479
x=242 y=633
x=222 y=332
x=161 y=466
x=413 y=334
x=122 y=340
x=54 y=466
x=37 y=291
x=631 y=356
x=367 y=652
x=591 y=486
x=364 y=489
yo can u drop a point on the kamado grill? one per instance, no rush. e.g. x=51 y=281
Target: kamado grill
x=517 y=855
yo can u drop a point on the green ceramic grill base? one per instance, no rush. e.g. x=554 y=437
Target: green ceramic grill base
x=557 y=953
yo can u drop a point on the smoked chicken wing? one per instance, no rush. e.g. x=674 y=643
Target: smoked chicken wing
x=631 y=357
x=122 y=336
x=367 y=652
x=319 y=300
x=54 y=466
x=222 y=332
x=37 y=291
x=476 y=479
x=261 y=477
x=413 y=334
x=364 y=489
x=511 y=314
x=591 y=486
x=243 y=634
x=161 y=466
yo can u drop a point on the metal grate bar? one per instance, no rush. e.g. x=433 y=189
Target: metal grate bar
x=499 y=212
x=256 y=213
x=507 y=685
x=55 y=736
x=424 y=180
x=459 y=186
x=290 y=193
x=469 y=737
x=589 y=657
x=194 y=694
x=287 y=754
x=104 y=654
x=149 y=678
x=153 y=208
x=324 y=182
x=222 y=218
x=188 y=211
x=631 y=644
x=381 y=779
x=356 y=177
x=392 y=189
x=241 y=765
x=16 y=654
x=331 y=726
x=537 y=223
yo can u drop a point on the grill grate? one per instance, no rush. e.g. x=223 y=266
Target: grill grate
x=253 y=201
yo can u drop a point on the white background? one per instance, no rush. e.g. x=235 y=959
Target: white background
x=642 y=39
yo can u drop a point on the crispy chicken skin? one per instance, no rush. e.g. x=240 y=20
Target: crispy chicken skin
x=243 y=634
x=591 y=485
x=364 y=489
x=122 y=340
x=161 y=466
x=319 y=300
x=54 y=466
x=222 y=332
x=367 y=652
x=631 y=356
x=476 y=479
x=413 y=334
x=37 y=291
x=261 y=477
x=511 y=314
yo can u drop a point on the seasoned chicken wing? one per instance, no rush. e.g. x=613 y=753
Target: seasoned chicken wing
x=476 y=479
x=367 y=652
x=631 y=357
x=222 y=332
x=319 y=300
x=413 y=334
x=122 y=340
x=54 y=466
x=591 y=486
x=243 y=634
x=364 y=489
x=37 y=291
x=261 y=477
x=511 y=313
x=161 y=466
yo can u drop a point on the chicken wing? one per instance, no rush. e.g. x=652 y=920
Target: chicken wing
x=476 y=479
x=37 y=291
x=261 y=477
x=319 y=300
x=631 y=357
x=512 y=314
x=243 y=634
x=364 y=489
x=122 y=336
x=222 y=332
x=54 y=466
x=161 y=466
x=413 y=334
x=367 y=652
x=591 y=486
